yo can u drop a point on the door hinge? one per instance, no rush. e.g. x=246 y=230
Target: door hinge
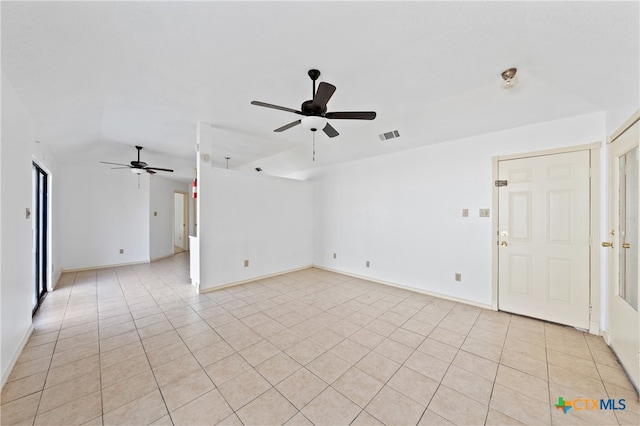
x=499 y=183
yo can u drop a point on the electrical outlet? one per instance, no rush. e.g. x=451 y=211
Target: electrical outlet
x=121 y=251
x=368 y=264
x=334 y=256
x=465 y=212
x=458 y=276
x=484 y=212
x=246 y=263
x=155 y=213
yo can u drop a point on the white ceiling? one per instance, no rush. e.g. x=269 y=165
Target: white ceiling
x=100 y=77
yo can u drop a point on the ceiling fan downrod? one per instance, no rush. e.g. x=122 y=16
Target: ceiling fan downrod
x=313 y=74
x=139 y=148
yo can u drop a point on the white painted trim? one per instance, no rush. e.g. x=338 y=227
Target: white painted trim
x=114 y=265
x=626 y=125
x=50 y=284
x=494 y=235
x=594 y=252
x=416 y=290
x=562 y=150
x=594 y=249
x=16 y=355
x=166 y=255
x=250 y=280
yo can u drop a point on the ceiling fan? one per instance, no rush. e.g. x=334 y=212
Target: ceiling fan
x=315 y=110
x=137 y=166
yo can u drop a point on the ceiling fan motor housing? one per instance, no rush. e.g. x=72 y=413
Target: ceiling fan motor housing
x=308 y=108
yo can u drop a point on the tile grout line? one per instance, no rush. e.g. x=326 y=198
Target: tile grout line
x=493 y=385
x=404 y=362
x=44 y=385
x=159 y=389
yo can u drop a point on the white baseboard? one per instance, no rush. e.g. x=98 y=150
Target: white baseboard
x=16 y=355
x=250 y=280
x=417 y=290
x=166 y=255
x=115 y=265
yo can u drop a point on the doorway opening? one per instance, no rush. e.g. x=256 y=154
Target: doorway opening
x=39 y=227
x=180 y=220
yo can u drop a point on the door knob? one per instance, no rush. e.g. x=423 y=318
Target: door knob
x=626 y=245
x=607 y=244
x=504 y=244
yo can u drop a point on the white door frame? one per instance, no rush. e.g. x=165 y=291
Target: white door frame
x=50 y=181
x=614 y=256
x=594 y=252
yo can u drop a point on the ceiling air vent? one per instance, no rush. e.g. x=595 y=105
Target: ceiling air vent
x=389 y=135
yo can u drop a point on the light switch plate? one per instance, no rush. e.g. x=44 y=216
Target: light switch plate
x=465 y=212
x=484 y=212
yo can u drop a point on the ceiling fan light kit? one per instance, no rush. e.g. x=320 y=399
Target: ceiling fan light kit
x=313 y=122
x=509 y=79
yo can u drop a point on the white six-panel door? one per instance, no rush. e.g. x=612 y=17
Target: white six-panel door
x=543 y=237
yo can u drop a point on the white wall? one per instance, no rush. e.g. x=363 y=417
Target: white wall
x=402 y=211
x=101 y=212
x=16 y=273
x=161 y=225
x=249 y=216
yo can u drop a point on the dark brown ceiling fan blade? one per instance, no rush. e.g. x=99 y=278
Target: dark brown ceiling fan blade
x=322 y=96
x=151 y=172
x=351 y=115
x=124 y=167
x=158 y=168
x=281 y=108
x=116 y=164
x=330 y=131
x=287 y=126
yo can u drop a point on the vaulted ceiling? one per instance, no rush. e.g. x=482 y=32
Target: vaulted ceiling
x=101 y=77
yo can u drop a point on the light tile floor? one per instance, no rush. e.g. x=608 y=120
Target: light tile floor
x=135 y=345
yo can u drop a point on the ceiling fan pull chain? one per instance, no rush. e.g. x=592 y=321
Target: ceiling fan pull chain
x=314 y=146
